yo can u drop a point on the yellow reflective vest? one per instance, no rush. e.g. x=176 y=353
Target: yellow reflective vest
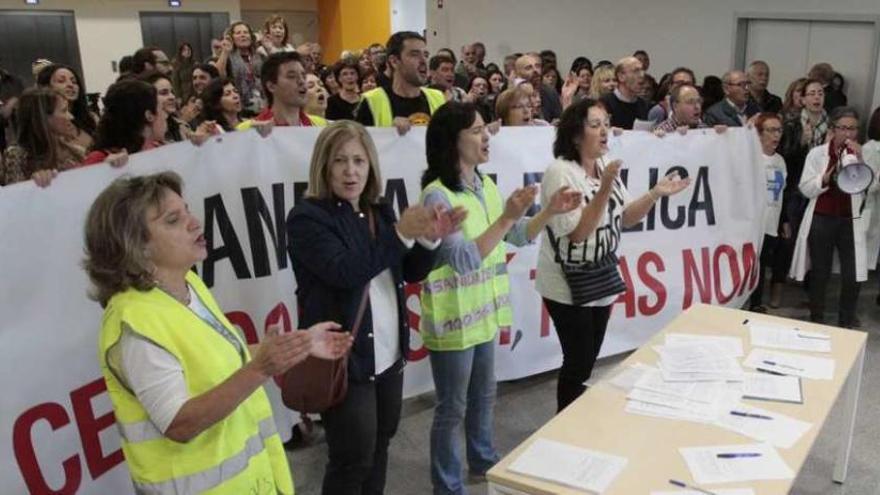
x=463 y=310
x=241 y=454
x=380 y=105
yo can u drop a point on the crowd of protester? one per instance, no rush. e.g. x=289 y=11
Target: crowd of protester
x=256 y=79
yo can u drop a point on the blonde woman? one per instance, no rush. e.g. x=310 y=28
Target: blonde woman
x=603 y=82
x=347 y=246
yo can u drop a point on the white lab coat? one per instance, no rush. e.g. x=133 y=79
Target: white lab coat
x=871 y=153
x=811 y=187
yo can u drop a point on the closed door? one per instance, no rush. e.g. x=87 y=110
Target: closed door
x=57 y=41
x=168 y=30
x=792 y=47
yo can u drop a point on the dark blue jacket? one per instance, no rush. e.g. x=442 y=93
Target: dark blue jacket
x=333 y=259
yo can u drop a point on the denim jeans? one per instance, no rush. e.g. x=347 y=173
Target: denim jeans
x=359 y=431
x=465 y=388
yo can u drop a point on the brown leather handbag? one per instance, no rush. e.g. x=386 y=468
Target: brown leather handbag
x=316 y=385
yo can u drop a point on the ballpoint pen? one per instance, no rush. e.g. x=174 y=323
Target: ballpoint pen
x=682 y=484
x=749 y=415
x=774 y=363
x=737 y=455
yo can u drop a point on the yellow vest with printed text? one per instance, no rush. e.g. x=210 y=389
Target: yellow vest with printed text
x=461 y=310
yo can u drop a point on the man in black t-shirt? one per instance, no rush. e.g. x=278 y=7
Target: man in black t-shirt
x=406 y=103
x=624 y=103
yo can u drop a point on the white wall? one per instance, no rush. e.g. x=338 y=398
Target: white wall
x=110 y=29
x=698 y=33
x=409 y=15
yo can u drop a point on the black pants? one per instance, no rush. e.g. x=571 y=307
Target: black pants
x=826 y=234
x=581 y=330
x=358 y=433
x=769 y=252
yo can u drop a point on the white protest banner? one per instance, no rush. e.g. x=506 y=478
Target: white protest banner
x=57 y=427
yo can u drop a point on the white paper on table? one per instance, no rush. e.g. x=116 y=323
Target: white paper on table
x=732 y=345
x=764 y=386
x=704 y=392
x=779 y=337
x=707 y=468
x=627 y=378
x=665 y=412
x=791 y=364
x=782 y=431
x=568 y=465
x=705 y=357
x=709 y=411
x=685 y=376
x=716 y=491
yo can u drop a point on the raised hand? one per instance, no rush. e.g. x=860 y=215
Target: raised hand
x=117 y=160
x=569 y=89
x=445 y=222
x=279 y=352
x=671 y=184
x=611 y=171
x=519 y=202
x=327 y=344
x=564 y=200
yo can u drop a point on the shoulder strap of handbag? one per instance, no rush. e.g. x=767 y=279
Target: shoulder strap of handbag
x=365 y=297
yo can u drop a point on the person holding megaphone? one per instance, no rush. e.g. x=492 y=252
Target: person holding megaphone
x=836 y=181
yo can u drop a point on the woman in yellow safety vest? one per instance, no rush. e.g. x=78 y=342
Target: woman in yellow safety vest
x=465 y=299
x=187 y=393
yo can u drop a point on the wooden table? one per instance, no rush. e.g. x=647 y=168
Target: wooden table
x=597 y=419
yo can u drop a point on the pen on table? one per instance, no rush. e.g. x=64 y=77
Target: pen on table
x=774 y=363
x=815 y=337
x=682 y=484
x=746 y=321
x=737 y=455
x=771 y=372
x=749 y=415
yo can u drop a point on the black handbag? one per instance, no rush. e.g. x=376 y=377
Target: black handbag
x=590 y=281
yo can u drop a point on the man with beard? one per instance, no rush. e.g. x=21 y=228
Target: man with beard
x=406 y=102
x=528 y=68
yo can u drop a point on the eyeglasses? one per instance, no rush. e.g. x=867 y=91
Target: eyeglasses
x=742 y=84
x=815 y=93
x=693 y=101
x=773 y=130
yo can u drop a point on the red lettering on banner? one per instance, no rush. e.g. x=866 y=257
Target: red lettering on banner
x=413 y=319
x=91 y=426
x=692 y=277
x=244 y=322
x=26 y=457
x=709 y=281
x=628 y=297
x=750 y=268
x=725 y=250
x=279 y=312
x=652 y=283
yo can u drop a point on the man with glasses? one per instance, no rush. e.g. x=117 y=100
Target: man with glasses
x=624 y=103
x=680 y=76
x=686 y=105
x=735 y=109
x=759 y=78
x=832 y=222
